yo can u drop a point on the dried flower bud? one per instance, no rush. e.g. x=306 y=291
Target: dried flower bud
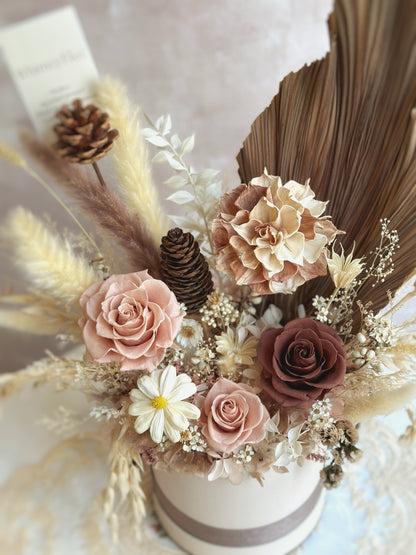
x=344 y=270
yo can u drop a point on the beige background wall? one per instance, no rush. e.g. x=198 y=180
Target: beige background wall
x=213 y=65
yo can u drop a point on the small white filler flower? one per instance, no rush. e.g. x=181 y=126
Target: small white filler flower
x=190 y=333
x=159 y=406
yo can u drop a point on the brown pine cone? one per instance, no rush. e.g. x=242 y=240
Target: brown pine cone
x=185 y=270
x=84 y=133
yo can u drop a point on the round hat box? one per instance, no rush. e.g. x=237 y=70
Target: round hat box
x=218 y=518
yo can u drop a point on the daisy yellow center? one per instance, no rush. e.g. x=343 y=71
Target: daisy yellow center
x=188 y=332
x=159 y=403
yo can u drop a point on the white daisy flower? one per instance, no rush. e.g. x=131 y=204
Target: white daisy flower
x=159 y=406
x=190 y=334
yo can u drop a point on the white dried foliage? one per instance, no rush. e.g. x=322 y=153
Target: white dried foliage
x=197 y=192
x=104 y=412
x=63 y=422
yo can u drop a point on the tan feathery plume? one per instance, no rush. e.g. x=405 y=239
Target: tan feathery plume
x=125 y=486
x=100 y=205
x=27 y=323
x=363 y=407
x=348 y=123
x=131 y=158
x=47 y=370
x=39 y=313
x=48 y=260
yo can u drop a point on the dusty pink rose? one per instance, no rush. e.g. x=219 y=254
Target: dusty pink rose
x=131 y=319
x=301 y=362
x=271 y=235
x=232 y=415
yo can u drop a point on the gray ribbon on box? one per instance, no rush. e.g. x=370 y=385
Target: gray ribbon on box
x=246 y=537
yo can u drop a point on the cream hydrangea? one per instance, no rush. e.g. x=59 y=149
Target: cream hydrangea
x=159 y=406
x=272 y=236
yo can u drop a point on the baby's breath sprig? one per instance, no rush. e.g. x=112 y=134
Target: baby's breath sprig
x=220 y=311
x=337 y=310
x=336 y=439
x=244 y=455
x=382 y=264
x=192 y=440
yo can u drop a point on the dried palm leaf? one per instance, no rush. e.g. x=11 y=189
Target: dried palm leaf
x=348 y=123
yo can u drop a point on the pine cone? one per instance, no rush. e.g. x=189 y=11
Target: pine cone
x=84 y=134
x=185 y=269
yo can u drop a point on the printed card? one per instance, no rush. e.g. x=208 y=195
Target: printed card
x=50 y=62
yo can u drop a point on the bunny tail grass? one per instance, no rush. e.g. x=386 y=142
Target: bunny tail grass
x=131 y=158
x=48 y=260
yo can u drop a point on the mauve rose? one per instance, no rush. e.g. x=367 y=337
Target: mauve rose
x=301 y=362
x=131 y=319
x=232 y=415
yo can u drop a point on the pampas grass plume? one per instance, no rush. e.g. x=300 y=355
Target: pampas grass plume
x=48 y=260
x=27 y=323
x=131 y=158
x=379 y=403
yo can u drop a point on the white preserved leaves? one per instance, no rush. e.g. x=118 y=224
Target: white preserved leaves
x=201 y=199
x=181 y=197
x=177 y=181
x=187 y=145
x=176 y=164
x=157 y=140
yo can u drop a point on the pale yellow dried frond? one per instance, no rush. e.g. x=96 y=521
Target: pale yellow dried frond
x=38 y=313
x=11 y=155
x=131 y=157
x=409 y=435
x=344 y=270
x=125 y=484
x=48 y=260
x=28 y=323
x=48 y=370
x=364 y=406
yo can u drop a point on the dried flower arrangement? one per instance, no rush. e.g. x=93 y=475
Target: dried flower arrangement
x=252 y=340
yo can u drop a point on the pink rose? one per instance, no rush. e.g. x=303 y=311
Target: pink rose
x=131 y=319
x=232 y=415
x=301 y=362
